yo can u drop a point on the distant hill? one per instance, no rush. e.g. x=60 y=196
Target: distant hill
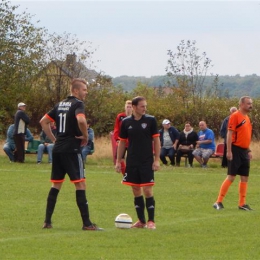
x=230 y=86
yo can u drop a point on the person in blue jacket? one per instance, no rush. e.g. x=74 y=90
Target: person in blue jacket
x=9 y=146
x=169 y=137
x=205 y=146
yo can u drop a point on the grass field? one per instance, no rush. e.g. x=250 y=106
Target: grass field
x=187 y=225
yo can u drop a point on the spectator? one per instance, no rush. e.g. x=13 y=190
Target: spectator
x=223 y=134
x=9 y=146
x=46 y=145
x=21 y=120
x=118 y=122
x=89 y=148
x=238 y=153
x=186 y=144
x=169 y=137
x=205 y=146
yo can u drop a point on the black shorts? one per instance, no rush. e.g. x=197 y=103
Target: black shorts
x=142 y=175
x=70 y=163
x=240 y=164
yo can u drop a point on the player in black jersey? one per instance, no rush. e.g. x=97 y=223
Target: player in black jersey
x=141 y=132
x=69 y=116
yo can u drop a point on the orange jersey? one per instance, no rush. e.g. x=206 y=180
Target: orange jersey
x=242 y=129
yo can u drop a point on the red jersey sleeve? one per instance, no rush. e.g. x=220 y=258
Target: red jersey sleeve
x=117 y=128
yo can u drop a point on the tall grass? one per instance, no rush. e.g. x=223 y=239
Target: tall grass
x=187 y=225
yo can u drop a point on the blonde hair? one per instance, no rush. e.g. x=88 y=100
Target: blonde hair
x=76 y=83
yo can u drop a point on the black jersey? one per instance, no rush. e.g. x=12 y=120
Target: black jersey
x=64 y=114
x=140 y=135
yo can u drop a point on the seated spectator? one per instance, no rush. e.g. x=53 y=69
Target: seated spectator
x=9 y=146
x=88 y=149
x=205 y=146
x=169 y=137
x=46 y=145
x=186 y=144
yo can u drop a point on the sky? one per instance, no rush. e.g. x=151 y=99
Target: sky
x=132 y=37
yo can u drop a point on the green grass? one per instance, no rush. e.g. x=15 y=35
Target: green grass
x=187 y=225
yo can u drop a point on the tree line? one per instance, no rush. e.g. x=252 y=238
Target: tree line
x=229 y=86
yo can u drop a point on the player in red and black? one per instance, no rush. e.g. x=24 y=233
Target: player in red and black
x=70 y=119
x=238 y=153
x=118 y=122
x=141 y=132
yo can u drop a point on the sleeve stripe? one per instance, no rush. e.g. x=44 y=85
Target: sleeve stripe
x=79 y=115
x=52 y=120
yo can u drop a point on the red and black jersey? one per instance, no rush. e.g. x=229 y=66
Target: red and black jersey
x=140 y=134
x=65 y=115
x=118 y=122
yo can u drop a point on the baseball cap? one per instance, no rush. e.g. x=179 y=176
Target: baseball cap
x=21 y=104
x=166 y=122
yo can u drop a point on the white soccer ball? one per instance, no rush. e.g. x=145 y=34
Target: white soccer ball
x=123 y=220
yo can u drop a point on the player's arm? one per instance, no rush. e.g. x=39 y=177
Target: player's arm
x=120 y=152
x=82 y=123
x=116 y=129
x=157 y=148
x=229 y=142
x=46 y=127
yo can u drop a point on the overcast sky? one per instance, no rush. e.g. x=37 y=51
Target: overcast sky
x=132 y=37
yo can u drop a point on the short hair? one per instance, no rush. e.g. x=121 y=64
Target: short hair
x=76 y=83
x=233 y=109
x=242 y=99
x=137 y=99
x=187 y=122
x=89 y=122
x=128 y=102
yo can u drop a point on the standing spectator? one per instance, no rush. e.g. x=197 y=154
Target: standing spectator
x=71 y=123
x=118 y=122
x=141 y=131
x=205 y=146
x=88 y=149
x=223 y=134
x=186 y=144
x=9 y=146
x=46 y=144
x=238 y=153
x=169 y=137
x=21 y=120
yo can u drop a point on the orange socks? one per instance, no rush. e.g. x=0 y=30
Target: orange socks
x=242 y=193
x=223 y=190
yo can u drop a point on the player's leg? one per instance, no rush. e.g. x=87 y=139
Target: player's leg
x=75 y=170
x=139 y=207
x=150 y=205
x=57 y=178
x=51 y=202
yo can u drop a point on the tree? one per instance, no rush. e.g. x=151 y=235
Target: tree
x=103 y=103
x=188 y=70
x=21 y=48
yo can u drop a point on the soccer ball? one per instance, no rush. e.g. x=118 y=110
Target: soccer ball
x=123 y=220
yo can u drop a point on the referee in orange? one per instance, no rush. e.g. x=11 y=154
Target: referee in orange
x=238 y=153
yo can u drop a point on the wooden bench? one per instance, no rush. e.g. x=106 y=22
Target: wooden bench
x=217 y=154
